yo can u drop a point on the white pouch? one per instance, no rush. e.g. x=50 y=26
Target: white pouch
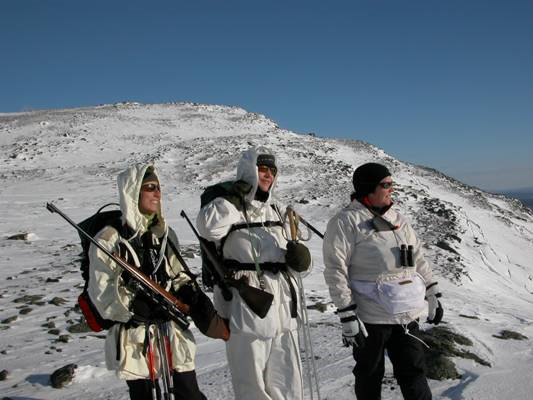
x=401 y=293
x=397 y=293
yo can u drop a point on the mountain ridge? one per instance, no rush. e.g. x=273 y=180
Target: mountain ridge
x=479 y=243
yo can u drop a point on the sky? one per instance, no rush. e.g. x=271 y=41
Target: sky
x=446 y=84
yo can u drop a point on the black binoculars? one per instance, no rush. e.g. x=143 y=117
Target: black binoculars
x=406 y=256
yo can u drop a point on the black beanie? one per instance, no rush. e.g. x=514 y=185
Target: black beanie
x=266 y=159
x=150 y=176
x=366 y=177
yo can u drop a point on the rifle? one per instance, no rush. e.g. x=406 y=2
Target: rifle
x=256 y=299
x=175 y=309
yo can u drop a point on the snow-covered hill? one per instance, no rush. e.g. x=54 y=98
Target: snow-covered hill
x=481 y=245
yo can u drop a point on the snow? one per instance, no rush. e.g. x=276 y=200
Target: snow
x=72 y=157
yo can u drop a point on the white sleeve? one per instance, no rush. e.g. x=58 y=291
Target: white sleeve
x=106 y=288
x=216 y=218
x=337 y=250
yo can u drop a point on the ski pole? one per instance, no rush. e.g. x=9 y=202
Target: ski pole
x=320 y=234
x=308 y=344
x=166 y=373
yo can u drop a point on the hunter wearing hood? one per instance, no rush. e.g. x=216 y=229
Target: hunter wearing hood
x=144 y=242
x=248 y=231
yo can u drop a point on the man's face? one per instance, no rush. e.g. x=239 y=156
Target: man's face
x=381 y=196
x=150 y=197
x=266 y=177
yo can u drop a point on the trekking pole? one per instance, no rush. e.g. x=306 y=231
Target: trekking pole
x=308 y=344
x=164 y=361
x=300 y=218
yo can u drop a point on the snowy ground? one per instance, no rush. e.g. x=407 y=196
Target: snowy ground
x=71 y=157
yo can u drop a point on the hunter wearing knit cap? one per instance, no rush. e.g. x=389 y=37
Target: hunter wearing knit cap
x=379 y=280
x=367 y=177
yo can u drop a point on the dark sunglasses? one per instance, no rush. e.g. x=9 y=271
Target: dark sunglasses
x=264 y=169
x=151 y=187
x=386 y=185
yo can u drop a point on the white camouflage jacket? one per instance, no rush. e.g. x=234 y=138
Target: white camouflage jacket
x=362 y=266
x=214 y=222
x=112 y=299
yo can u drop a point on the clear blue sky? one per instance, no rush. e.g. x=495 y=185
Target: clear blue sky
x=447 y=84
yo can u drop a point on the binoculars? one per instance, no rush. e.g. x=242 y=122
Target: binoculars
x=406 y=256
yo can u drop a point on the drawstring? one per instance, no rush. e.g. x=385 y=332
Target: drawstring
x=162 y=250
x=254 y=254
x=406 y=331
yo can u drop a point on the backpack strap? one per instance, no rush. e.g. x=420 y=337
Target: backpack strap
x=173 y=243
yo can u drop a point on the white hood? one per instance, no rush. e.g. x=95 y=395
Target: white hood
x=247 y=171
x=129 y=186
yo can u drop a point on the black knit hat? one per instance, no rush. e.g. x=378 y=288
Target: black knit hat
x=150 y=176
x=266 y=159
x=366 y=177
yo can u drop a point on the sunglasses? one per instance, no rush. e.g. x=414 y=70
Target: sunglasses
x=264 y=169
x=151 y=187
x=386 y=185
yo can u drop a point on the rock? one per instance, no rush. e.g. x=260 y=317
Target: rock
x=54 y=331
x=507 y=334
x=81 y=327
x=468 y=316
x=29 y=298
x=442 y=344
x=25 y=310
x=57 y=301
x=19 y=236
x=440 y=367
x=63 y=338
x=52 y=280
x=322 y=307
x=63 y=376
x=3 y=375
x=445 y=246
x=9 y=320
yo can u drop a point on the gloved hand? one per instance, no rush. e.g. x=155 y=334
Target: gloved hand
x=435 y=311
x=203 y=312
x=188 y=293
x=297 y=256
x=353 y=329
x=145 y=310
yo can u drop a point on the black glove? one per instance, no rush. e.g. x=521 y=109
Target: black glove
x=188 y=293
x=145 y=310
x=297 y=256
x=201 y=308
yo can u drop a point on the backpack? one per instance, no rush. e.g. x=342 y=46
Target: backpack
x=92 y=225
x=227 y=191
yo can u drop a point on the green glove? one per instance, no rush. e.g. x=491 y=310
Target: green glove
x=297 y=256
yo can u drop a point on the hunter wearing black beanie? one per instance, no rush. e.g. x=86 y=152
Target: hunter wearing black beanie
x=366 y=178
